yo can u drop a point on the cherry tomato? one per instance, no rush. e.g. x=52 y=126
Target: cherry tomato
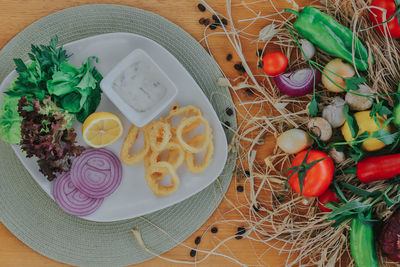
x=326 y=197
x=274 y=63
x=376 y=17
x=317 y=178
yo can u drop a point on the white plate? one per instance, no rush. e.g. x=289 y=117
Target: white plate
x=133 y=197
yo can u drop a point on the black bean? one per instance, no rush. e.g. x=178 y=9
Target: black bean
x=215 y=18
x=259 y=52
x=213 y=26
x=239 y=67
x=227 y=124
x=207 y=21
x=238 y=237
x=201 y=7
x=192 y=253
x=229 y=57
x=224 y=21
x=255 y=208
x=202 y=21
x=239 y=188
x=197 y=240
x=249 y=91
x=241 y=230
x=214 y=230
x=247 y=173
x=229 y=111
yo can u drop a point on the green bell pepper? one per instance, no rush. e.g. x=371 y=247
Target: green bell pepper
x=362 y=244
x=331 y=36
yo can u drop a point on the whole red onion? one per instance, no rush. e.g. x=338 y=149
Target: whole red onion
x=389 y=238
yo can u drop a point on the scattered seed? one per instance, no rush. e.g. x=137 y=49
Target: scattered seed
x=207 y=21
x=229 y=111
x=249 y=91
x=213 y=26
x=241 y=230
x=192 y=253
x=201 y=7
x=197 y=240
x=224 y=21
x=239 y=67
x=202 y=21
x=229 y=57
x=238 y=237
x=259 y=52
x=239 y=188
x=227 y=124
x=215 y=18
x=214 y=230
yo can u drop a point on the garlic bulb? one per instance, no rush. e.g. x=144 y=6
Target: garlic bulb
x=308 y=48
x=334 y=113
x=294 y=141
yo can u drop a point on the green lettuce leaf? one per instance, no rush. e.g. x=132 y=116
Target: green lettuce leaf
x=10 y=121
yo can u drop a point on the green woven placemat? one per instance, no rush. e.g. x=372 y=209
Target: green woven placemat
x=35 y=219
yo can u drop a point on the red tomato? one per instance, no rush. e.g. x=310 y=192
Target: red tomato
x=376 y=16
x=326 y=197
x=318 y=178
x=274 y=63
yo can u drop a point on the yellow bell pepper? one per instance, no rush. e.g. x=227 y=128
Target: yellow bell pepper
x=366 y=124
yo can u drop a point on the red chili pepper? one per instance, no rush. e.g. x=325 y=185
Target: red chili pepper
x=326 y=197
x=378 y=168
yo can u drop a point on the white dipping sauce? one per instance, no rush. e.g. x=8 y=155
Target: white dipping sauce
x=140 y=86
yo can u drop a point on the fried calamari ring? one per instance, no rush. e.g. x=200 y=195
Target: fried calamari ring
x=191 y=165
x=187 y=111
x=130 y=140
x=176 y=155
x=159 y=135
x=187 y=122
x=153 y=181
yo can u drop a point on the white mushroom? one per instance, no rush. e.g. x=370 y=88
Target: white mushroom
x=320 y=128
x=334 y=113
x=337 y=156
x=357 y=102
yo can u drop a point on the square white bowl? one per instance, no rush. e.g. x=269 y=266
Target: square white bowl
x=158 y=76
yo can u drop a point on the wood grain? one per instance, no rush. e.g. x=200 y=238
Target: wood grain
x=18 y=14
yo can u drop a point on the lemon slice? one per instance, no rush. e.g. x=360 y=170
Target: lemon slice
x=102 y=129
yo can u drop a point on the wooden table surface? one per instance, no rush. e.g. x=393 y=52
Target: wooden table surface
x=17 y=14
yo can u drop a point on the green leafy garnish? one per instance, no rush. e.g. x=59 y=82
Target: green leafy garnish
x=313 y=107
x=354 y=82
x=351 y=121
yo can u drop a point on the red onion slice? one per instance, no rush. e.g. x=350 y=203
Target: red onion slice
x=71 y=200
x=96 y=172
x=299 y=82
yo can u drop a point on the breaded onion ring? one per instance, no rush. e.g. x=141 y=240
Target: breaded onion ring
x=191 y=165
x=130 y=140
x=187 y=122
x=152 y=181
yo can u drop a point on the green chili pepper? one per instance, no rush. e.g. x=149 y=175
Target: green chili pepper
x=362 y=244
x=331 y=36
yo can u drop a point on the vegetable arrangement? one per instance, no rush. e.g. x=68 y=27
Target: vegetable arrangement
x=357 y=122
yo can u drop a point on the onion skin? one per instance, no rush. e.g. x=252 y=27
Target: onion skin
x=389 y=239
x=299 y=82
